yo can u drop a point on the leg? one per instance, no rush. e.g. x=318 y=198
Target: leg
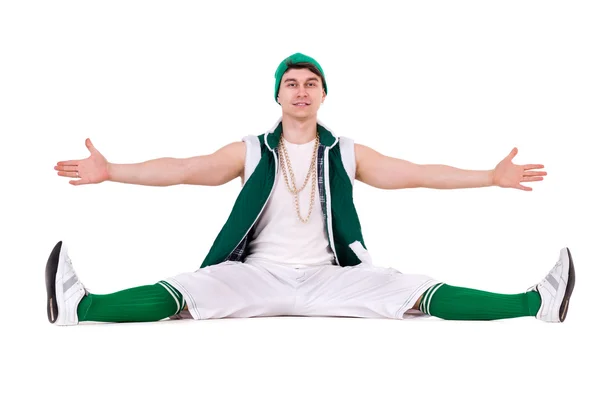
x=139 y=304
x=458 y=303
x=417 y=304
x=366 y=291
x=382 y=292
x=235 y=290
x=547 y=301
x=362 y=291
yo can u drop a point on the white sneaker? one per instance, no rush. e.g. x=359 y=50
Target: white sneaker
x=556 y=288
x=63 y=287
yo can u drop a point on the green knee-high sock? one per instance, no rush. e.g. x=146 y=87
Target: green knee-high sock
x=457 y=303
x=139 y=304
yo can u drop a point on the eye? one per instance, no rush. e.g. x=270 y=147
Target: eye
x=291 y=84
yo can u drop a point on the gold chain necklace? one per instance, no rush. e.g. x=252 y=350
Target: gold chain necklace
x=312 y=171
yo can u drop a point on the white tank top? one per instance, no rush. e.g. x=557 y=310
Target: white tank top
x=279 y=236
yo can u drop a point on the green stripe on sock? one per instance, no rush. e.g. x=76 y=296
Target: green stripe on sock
x=433 y=290
x=457 y=303
x=422 y=305
x=177 y=293
x=173 y=295
x=426 y=296
x=139 y=304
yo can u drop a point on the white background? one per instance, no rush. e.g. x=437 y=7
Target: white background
x=451 y=82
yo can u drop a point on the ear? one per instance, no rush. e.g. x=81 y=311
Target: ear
x=323 y=97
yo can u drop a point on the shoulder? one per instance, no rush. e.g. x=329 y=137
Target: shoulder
x=363 y=152
x=234 y=149
x=255 y=142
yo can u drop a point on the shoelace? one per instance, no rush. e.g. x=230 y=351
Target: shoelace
x=75 y=274
x=555 y=269
x=556 y=266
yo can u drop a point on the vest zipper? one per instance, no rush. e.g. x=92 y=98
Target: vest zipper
x=328 y=203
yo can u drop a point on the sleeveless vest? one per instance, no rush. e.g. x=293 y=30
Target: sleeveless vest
x=336 y=167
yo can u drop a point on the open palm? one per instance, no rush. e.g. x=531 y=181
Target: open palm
x=509 y=175
x=93 y=169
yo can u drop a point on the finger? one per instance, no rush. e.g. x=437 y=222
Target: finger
x=532 y=178
x=512 y=153
x=68 y=174
x=78 y=182
x=526 y=188
x=66 y=168
x=533 y=166
x=535 y=173
x=70 y=162
x=89 y=145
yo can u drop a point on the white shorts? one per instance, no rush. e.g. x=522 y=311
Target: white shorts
x=261 y=289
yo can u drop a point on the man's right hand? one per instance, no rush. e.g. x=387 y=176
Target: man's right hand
x=93 y=169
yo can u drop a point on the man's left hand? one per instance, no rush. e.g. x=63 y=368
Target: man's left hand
x=509 y=175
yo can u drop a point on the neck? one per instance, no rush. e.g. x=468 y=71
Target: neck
x=299 y=131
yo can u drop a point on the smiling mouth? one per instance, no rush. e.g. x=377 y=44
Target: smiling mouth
x=302 y=104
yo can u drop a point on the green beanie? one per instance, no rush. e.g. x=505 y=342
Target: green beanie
x=295 y=59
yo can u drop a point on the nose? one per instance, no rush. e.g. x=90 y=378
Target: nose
x=302 y=91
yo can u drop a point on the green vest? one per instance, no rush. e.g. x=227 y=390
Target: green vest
x=335 y=173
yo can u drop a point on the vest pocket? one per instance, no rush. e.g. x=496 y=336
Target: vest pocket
x=362 y=253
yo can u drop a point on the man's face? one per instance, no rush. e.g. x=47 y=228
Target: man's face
x=300 y=93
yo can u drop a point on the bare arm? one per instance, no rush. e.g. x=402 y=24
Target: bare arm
x=214 y=169
x=385 y=172
x=375 y=169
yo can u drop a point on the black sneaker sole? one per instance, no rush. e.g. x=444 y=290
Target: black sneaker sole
x=51 y=269
x=564 y=307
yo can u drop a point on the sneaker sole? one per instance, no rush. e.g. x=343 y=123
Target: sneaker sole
x=51 y=270
x=564 y=307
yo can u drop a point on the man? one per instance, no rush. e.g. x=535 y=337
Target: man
x=293 y=243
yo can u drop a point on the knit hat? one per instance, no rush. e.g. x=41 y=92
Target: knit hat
x=294 y=59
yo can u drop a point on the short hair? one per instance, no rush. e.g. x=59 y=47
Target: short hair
x=305 y=65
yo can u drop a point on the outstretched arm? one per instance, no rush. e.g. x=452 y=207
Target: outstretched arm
x=214 y=169
x=378 y=170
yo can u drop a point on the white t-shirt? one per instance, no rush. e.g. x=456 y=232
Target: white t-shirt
x=279 y=236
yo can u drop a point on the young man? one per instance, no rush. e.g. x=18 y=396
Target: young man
x=293 y=243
